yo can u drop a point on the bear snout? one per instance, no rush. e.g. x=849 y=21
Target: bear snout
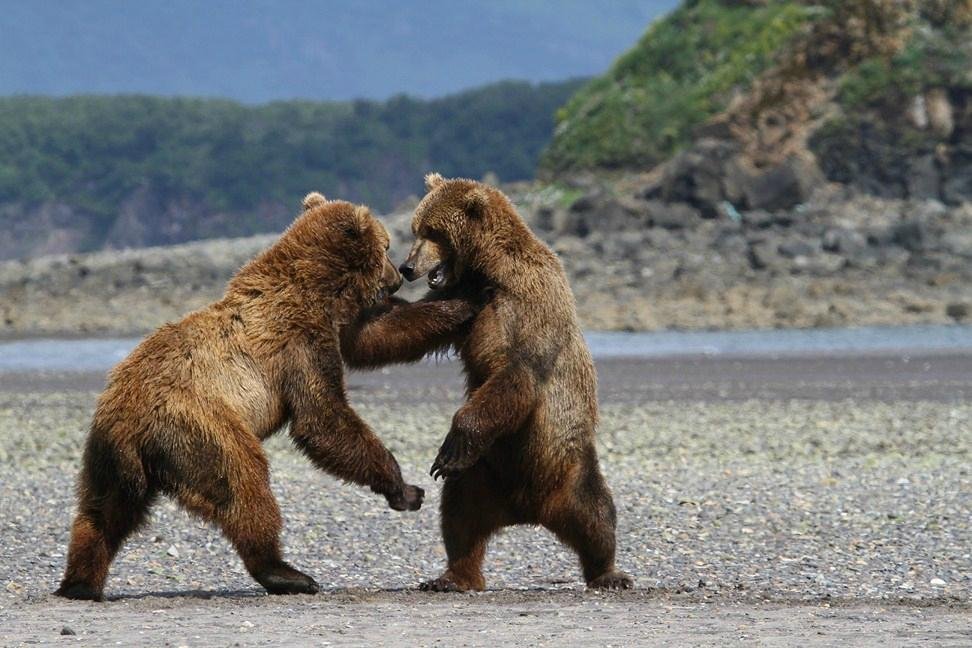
x=407 y=270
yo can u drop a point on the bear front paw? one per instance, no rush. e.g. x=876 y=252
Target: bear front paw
x=458 y=452
x=409 y=499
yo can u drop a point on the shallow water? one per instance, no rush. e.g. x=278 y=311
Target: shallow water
x=103 y=353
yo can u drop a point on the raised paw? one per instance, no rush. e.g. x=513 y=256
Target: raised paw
x=410 y=499
x=458 y=452
x=612 y=580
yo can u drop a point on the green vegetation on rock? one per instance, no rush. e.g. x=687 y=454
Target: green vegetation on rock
x=930 y=59
x=682 y=72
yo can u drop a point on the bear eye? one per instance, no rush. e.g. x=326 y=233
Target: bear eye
x=350 y=231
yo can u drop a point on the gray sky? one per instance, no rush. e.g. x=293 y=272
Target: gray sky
x=260 y=50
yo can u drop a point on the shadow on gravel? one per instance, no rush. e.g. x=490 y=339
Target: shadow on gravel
x=678 y=595
x=197 y=594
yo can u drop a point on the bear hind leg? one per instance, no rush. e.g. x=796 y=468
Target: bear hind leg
x=585 y=519
x=471 y=512
x=100 y=528
x=113 y=501
x=235 y=494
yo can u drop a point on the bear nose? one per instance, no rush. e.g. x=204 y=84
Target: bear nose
x=408 y=271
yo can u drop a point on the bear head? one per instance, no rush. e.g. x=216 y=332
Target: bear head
x=340 y=249
x=457 y=226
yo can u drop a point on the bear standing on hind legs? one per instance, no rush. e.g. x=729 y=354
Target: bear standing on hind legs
x=184 y=415
x=521 y=449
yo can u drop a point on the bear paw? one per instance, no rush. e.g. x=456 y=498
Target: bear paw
x=284 y=579
x=449 y=582
x=612 y=580
x=410 y=499
x=79 y=592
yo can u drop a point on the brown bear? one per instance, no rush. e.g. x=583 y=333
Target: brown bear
x=184 y=415
x=521 y=449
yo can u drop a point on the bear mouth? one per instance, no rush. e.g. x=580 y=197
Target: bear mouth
x=437 y=276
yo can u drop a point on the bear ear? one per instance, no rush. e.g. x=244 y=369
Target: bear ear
x=358 y=222
x=313 y=199
x=476 y=202
x=433 y=180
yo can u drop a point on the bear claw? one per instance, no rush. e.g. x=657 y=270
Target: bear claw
x=612 y=580
x=441 y=584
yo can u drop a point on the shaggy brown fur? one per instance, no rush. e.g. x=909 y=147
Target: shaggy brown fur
x=185 y=413
x=521 y=449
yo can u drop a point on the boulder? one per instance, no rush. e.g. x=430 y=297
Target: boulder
x=845 y=242
x=924 y=179
x=911 y=234
x=671 y=216
x=798 y=248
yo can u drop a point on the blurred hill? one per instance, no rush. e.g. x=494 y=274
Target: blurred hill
x=261 y=50
x=84 y=173
x=756 y=102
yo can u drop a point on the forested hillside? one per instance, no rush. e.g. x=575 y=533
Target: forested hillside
x=79 y=172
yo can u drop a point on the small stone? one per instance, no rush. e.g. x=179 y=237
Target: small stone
x=173 y=551
x=65 y=631
x=958 y=310
x=936 y=582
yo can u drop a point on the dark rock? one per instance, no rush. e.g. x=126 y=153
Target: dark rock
x=923 y=179
x=910 y=234
x=957 y=185
x=757 y=218
x=797 y=248
x=696 y=176
x=958 y=311
x=671 y=215
x=544 y=218
x=845 y=242
x=763 y=255
x=66 y=631
x=778 y=188
x=597 y=211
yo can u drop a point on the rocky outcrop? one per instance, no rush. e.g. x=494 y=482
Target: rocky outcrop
x=635 y=263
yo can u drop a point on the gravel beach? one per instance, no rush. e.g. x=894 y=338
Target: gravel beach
x=794 y=500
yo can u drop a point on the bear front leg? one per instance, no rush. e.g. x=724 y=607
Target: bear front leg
x=343 y=446
x=330 y=433
x=404 y=332
x=500 y=406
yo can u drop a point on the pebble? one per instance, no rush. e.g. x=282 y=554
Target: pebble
x=718 y=492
